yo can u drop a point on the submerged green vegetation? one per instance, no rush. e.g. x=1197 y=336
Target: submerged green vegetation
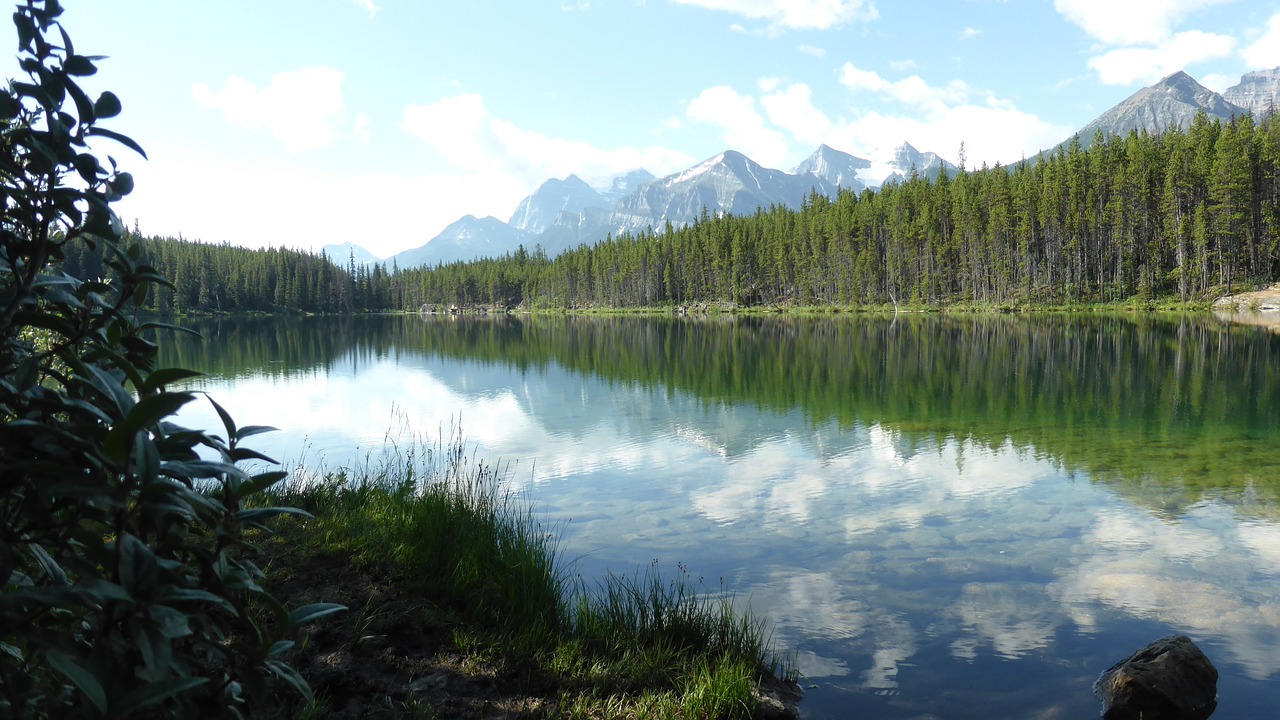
x=448 y=570
x=1169 y=407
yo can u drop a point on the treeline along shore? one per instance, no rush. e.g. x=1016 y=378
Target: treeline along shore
x=1182 y=216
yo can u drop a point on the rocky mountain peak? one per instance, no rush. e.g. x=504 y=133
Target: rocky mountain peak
x=1257 y=91
x=1172 y=102
x=543 y=208
x=839 y=169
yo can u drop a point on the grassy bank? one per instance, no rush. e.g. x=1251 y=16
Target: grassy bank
x=460 y=607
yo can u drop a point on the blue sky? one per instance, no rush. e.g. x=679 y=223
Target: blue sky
x=305 y=122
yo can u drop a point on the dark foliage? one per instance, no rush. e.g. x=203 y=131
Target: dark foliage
x=127 y=584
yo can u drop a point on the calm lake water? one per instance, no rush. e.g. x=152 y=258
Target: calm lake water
x=942 y=517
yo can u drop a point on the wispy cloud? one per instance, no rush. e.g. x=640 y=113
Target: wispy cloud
x=1130 y=23
x=1141 y=64
x=474 y=141
x=1265 y=51
x=795 y=14
x=743 y=125
x=275 y=107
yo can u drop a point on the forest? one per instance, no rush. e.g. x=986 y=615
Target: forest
x=1182 y=216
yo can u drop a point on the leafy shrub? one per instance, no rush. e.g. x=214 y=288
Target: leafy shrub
x=128 y=588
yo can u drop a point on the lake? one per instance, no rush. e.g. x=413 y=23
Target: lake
x=950 y=517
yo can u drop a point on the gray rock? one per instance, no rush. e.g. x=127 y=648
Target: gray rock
x=1170 y=679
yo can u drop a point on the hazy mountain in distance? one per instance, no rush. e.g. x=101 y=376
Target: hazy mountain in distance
x=838 y=169
x=907 y=159
x=543 y=209
x=467 y=238
x=563 y=214
x=627 y=183
x=727 y=183
x=1257 y=92
x=341 y=253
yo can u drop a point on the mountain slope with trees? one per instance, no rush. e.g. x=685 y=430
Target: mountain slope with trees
x=1183 y=214
x=1186 y=215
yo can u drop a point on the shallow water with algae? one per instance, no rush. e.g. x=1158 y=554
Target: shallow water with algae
x=960 y=517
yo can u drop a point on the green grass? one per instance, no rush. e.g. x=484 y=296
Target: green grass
x=442 y=529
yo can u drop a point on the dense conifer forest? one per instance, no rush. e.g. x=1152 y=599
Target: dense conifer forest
x=1183 y=215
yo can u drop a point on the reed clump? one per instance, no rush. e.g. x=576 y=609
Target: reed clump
x=463 y=585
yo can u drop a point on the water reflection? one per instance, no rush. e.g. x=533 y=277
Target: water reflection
x=965 y=517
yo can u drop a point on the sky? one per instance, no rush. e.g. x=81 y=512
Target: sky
x=301 y=123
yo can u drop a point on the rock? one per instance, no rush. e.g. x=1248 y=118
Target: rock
x=433 y=683
x=776 y=697
x=1170 y=679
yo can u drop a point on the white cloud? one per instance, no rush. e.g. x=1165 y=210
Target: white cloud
x=856 y=79
x=912 y=90
x=1146 y=65
x=1217 y=82
x=902 y=65
x=466 y=134
x=969 y=32
x=792 y=109
x=795 y=14
x=1265 y=51
x=368 y=6
x=769 y=84
x=393 y=216
x=361 y=129
x=939 y=118
x=744 y=127
x=1129 y=22
x=930 y=117
x=302 y=108
x=812 y=51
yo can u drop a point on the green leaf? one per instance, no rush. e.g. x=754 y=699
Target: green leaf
x=122 y=139
x=84 y=107
x=49 y=565
x=151 y=410
x=97 y=591
x=261 y=482
x=80 y=677
x=138 y=567
x=258 y=515
x=79 y=66
x=177 y=594
x=291 y=676
x=108 y=105
x=227 y=422
x=240 y=454
x=167 y=376
x=122 y=184
x=251 y=430
x=314 y=611
x=11 y=651
x=156 y=692
x=170 y=622
x=280 y=647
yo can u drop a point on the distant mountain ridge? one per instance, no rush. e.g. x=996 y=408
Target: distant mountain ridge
x=564 y=213
x=1257 y=92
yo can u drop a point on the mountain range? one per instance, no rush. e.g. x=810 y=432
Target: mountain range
x=564 y=213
